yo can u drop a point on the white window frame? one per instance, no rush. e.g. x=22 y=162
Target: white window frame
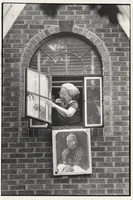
x=38 y=126
x=38 y=94
x=85 y=102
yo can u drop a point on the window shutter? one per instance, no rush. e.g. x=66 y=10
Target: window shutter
x=38 y=91
x=93 y=101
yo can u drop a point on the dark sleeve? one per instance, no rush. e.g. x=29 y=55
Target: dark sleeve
x=74 y=104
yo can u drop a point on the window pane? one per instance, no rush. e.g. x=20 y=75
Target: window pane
x=80 y=54
x=77 y=46
x=33 y=82
x=39 y=84
x=66 y=63
x=44 y=110
x=92 y=63
x=32 y=105
x=93 y=101
x=67 y=44
x=58 y=65
x=43 y=85
x=54 y=46
x=93 y=90
x=73 y=64
x=45 y=61
x=93 y=113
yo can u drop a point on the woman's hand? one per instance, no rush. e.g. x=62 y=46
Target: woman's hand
x=58 y=101
x=50 y=103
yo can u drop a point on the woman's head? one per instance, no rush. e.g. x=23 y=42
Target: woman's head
x=69 y=92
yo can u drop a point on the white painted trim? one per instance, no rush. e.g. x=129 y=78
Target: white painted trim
x=124 y=18
x=6 y=8
x=10 y=15
x=38 y=126
x=85 y=105
x=125 y=9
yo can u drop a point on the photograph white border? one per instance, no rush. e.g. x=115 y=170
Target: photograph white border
x=54 y=133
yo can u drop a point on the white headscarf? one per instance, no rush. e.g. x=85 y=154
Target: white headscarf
x=72 y=89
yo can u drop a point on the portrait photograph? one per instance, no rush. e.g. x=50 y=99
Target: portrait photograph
x=71 y=152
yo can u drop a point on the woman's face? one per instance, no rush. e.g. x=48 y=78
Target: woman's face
x=64 y=95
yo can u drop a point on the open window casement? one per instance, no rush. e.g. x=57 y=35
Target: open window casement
x=93 y=102
x=38 y=91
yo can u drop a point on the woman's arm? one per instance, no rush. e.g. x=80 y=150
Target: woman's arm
x=65 y=112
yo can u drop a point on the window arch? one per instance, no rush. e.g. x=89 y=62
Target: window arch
x=67 y=54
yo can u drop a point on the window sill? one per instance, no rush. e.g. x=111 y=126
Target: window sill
x=65 y=127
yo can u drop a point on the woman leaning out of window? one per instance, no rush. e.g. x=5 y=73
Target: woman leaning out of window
x=66 y=105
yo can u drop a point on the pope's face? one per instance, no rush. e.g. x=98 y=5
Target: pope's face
x=71 y=142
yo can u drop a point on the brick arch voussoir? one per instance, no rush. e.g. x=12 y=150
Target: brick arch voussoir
x=34 y=42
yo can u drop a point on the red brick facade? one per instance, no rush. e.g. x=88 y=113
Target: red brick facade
x=27 y=153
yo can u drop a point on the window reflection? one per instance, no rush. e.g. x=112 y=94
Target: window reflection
x=93 y=101
x=57 y=45
x=94 y=113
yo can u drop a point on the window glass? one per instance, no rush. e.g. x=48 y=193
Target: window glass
x=58 y=65
x=66 y=64
x=43 y=109
x=33 y=82
x=66 y=55
x=32 y=102
x=93 y=113
x=45 y=62
x=37 y=92
x=43 y=84
x=91 y=62
x=93 y=101
x=93 y=90
x=54 y=46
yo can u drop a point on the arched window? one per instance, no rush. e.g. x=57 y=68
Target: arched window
x=59 y=59
x=65 y=55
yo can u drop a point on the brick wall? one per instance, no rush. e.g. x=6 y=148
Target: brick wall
x=27 y=153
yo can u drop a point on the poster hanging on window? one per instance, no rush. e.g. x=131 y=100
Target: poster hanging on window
x=71 y=152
